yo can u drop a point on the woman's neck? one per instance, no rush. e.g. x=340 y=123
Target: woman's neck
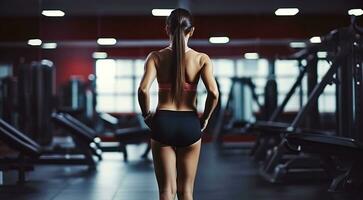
x=186 y=47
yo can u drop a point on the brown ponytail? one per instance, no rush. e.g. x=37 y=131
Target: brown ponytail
x=180 y=23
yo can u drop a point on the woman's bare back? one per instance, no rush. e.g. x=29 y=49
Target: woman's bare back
x=158 y=66
x=194 y=63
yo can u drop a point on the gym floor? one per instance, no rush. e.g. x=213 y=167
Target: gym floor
x=223 y=174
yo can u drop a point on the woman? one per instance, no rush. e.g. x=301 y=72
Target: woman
x=176 y=128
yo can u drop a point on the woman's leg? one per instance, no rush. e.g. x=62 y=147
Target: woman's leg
x=165 y=169
x=187 y=163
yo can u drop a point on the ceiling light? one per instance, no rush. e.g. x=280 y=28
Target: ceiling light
x=53 y=13
x=322 y=54
x=218 y=40
x=161 y=12
x=99 y=55
x=356 y=12
x=251 y=55
x=106 y=41
x=315 y=39
x=34 y=42
x=297 y=44
x=49 y=45
x=46 y=62
x=286 y=11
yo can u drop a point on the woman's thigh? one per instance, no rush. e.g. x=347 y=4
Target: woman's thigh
x=187 y=164
x=164 y=159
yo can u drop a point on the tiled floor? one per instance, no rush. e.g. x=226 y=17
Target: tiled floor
x=222 y=175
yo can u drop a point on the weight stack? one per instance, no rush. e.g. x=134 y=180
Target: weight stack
x=37 y=90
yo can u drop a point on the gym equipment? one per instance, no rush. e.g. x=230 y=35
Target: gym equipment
x=73 y=94
x=125 y=136
x=78 y=102
x=78 y=97
x=238 y=110
x=351 y=179
x=30 y=152
x=279 y=163
x=21 y=143
x=36 y=91
x=344 y=46
x=266 y=130
x=85 y=138
x=8 y=99
x=347 y=66
x=270 y=97
x=134 y=135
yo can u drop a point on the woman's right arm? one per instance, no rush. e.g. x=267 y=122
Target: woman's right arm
x=144 y=87
x=212 y=90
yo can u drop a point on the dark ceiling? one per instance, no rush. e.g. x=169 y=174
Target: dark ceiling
x=198 y=7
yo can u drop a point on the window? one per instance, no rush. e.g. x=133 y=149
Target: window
x=118 y=79
x=5 y=70
x=327 y=101
x=287 y=72
x=257 y=70
x=223 y=69
x=115 y=85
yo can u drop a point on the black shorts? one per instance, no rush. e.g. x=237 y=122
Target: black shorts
x=176 y=128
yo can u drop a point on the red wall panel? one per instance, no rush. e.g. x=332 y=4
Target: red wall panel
x=71 y=62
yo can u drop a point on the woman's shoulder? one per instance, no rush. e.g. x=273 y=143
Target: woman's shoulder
x=202 y=57
x=156 y=54
x=164 y=50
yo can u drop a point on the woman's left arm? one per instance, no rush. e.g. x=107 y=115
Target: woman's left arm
x=145 y=84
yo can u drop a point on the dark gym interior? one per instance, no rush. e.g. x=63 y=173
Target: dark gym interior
x=289 y=119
